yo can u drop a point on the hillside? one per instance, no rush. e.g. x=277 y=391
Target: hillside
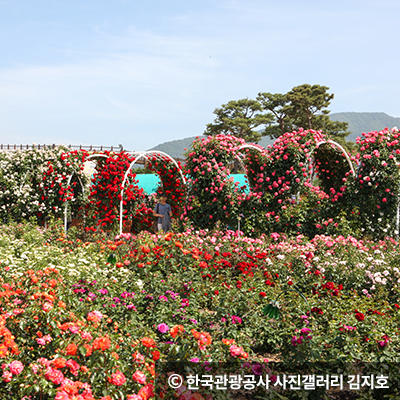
x=359 y=122
x=175 y=148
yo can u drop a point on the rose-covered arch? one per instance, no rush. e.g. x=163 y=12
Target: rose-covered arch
x=284 y=167
x=243 y=153
x=87 y=159
x=167 y=169
x=342 y=149
x=332 y=164
x=214 y=197
x=377 y=183
x=34 y=182
x=280 y=179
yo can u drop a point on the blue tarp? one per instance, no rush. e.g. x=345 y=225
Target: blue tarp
x=150 y=182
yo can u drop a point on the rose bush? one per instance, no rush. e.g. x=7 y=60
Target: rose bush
x=376 y=189
x=35 y=183
x=105 y=193
x=281 y=193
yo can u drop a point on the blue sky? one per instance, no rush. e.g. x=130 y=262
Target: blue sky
x=143 y=72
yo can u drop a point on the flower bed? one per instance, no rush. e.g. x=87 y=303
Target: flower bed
x=75 y=320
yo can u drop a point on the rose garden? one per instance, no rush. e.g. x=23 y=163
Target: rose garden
x=95 y=313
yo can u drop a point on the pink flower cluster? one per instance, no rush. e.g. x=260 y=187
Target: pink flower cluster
x=12 y=369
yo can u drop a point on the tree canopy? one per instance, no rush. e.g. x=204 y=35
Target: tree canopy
x=305 y=106
x=239 y=118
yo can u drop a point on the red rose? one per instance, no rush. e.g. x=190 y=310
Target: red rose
x=359 y=316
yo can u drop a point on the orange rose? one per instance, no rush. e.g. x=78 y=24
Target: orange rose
x=61 y=304
x=148 y=342
x=174 y=331
x=59 y=362
x=89 y=350
x=71 y=349
x=168 y=236
x=3 y=350
x=101 y=343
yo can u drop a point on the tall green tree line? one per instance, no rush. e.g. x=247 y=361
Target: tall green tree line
x=304 y=106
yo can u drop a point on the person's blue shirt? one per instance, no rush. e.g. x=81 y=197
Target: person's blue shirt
x=162 y=209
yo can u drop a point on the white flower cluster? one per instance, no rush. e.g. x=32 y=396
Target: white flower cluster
x=33 y=183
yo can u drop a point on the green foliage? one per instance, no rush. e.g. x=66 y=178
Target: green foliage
x=239 y=118
x=308 y=109
x=141 y=170
x=305 y=106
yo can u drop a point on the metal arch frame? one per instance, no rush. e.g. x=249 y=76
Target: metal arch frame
x=83 y=188
x=333 y=143
x=341 y=148
x=138 y=156
x=311 y=174
x=251 y=146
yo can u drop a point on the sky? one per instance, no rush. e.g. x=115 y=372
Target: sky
x=143 y=72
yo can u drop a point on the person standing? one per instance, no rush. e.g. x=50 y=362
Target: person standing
x=163 y=212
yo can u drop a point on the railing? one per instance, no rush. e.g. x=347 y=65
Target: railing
x=15 y=147
x=117 y=149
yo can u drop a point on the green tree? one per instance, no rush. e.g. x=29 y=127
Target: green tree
x=240 y=118
x=307 y=109
x=276 y=104
x=304 y=106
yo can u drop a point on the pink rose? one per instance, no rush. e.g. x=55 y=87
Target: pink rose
x=74 y=328
x=235 y=350
x=7 y=376
x=163 y=328
x=181 y=389
x=34 y=367
x=117 y=379
x=16 y=367
x=86 y=336
x=62 y=396
x=139 y=377
x=73 y=367
x=54 y=375
x=256 y=369
x=47 y=306
x=47 y=338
